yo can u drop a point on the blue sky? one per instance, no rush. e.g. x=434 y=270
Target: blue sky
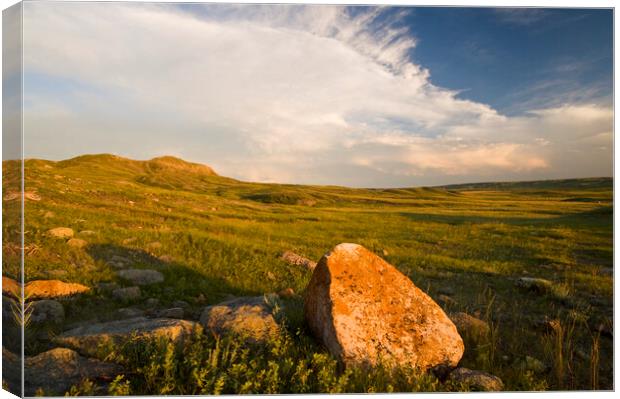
x=513 y=58
x=357 y=96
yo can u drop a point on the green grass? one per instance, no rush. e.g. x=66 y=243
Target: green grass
x=223 y=237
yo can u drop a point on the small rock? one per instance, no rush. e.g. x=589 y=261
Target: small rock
x=87 y=338
x=151 y=302
x=127 y=293
x=48 y=215
x=77 y=243
x=56 y=370
x=446 y=291
x=468 y=325
x=128 y=313
x=10 y=196
x=271 y=276
x=248 y=316
x=56 y=273
x=47 y=311
x=172 y=313
x=61 y=232
x=45 y=289
x=297 y=260
x=549 y=325
x=385 y=252
x=166 y=258
x=180 y=304
x=141 y=276
x=539 y=285
x=32 y=196
x=286 y=293
x=200 y=299
x=10 y=287
x=363 y=309
x=477 y=380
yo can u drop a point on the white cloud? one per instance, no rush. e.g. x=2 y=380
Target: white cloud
x=281 y=93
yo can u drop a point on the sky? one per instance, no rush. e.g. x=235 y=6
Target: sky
x=354 y=96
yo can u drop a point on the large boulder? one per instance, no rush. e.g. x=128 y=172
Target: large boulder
x=247 y=316
x=85 y=339
x=141 y=276
x=45 y=289
x=364 y=310
x=56 y=370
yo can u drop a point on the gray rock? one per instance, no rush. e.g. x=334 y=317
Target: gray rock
x=56 y=370
x=297 y=260
x=128 y=313
x=477 y=380
x=539 y=285
x=119 y=262
x=127 y=293
x=87 y=338
x=46 y=311
x=172 y=313
x=180 y=304
x=250 y=317
x=141 y=276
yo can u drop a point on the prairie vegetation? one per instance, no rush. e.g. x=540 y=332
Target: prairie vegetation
x=213 y=237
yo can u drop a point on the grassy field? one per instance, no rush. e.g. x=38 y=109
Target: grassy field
x=215 y=237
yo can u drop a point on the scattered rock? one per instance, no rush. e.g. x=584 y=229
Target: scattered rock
x=45 y=289
x=141 y=276
x=297 y=260
x=128 y=313
x=470 y=326
x=286 y=293
x=32 y=196
x=10 y=196
x=127 y=293
x=87 y=338
x=77 y=243
x=172 y=313
x=446 y=291
x=10 y=287
x=180 y=304
x=47 y=311
x=248 y=316
x=56 y=370
x=363 y=309
x=61 y=232
x=539 y=285
x=477 y=380
x=200 y=299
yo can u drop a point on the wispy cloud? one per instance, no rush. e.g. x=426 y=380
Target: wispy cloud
x=520 y=16
x=312 y=94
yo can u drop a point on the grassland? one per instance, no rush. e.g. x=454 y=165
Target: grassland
x=220 y=237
